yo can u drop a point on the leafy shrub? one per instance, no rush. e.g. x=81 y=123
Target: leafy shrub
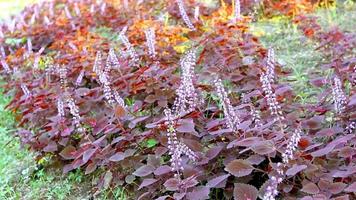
x=95 y=86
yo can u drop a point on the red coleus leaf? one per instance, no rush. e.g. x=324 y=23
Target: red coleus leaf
x=213 y=152
x=143 y=170
x=351 y=187
x=51 y=147
x=217 y=181
x=245 y=142
x=164 y=169
x=263 y=147
x=117 y=157
x=329 y=147
x=245 y=192
x=310 y=188
x=68 y=152
x=186 y=126
x=199 y=193
x=120 y=111
x=303 y=143
x=90 y=168
x=347 y=152
x=88 y=154
x=239 y=168
x=295 y=169
x=146 y=182
x=172 y=184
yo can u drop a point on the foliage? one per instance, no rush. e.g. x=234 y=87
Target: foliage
x=107 y=112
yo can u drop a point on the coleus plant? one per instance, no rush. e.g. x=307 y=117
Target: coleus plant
x=170 y=108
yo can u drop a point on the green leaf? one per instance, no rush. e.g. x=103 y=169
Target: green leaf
x=151 y=143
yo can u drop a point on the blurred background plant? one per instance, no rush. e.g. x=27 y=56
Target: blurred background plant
x=39 y=181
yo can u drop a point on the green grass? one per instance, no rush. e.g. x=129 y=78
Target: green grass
x=22 y=178
x=11 y=7
x=296 y=53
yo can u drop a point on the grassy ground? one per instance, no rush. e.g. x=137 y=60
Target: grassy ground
x=22 y=178
x=10 y=7
x=295 y=52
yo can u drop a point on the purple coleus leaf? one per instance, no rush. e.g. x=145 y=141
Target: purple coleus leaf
x=172 y=184
x=68 y=152
x=217 y=181
x=144 y=170
x=117 y=157
x=245 y=192
x=199 y=193
x=310 y=188
x=351 y=188
x=146 y=182
x=239 y=168
x=88 y=154
x=164 y=169
x=295 y=169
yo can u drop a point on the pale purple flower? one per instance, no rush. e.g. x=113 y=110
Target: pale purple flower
x=33 y=19
x=292 y=146
x=108 y=93
x=29 y=46
x=339 y=97
x=41 y=50
x=102 y=8
x=272 y=102
x=63 y=77
x=51 y=8
x=196 y=13
x=92 y=8
x=176 y=148
x=46 y=20
x=74 y=111
x=60 y=108
x=1 y=33
x=111 y=96
x=351 y=127
x=237 y=10
x=26 y=91
x=67 y=12
x=37 y=58
x=256 y=116
x=21 y=19
x=3 y=54
x=270 y=64
x=112 y=61
x=272 y=188
x=126 y=4
x=119 y=100
x=184 y=15
x=151 y=41
x=231 y=117
x=97 y=68
x=36 y=10
x=73 y=46
x=11 y=25
x=80 y=78
x=36 y=62
x=186 y=99
x=76 y=9
x=5 y=66
x=129 y=48
x=354 y=75
x=275 y=180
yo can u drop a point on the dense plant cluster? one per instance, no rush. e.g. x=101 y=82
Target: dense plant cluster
x=179 y=100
